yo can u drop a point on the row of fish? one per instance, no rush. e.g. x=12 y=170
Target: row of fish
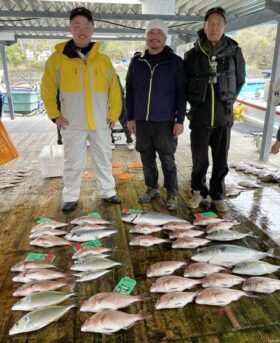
x=210 y=262
x=41 y=278
x=11 y=178
x=263 y=173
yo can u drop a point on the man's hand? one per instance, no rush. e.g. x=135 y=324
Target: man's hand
x=111 y=123
x=61 y=122
x=275 y=147
x=131 y=124
x=178 y=129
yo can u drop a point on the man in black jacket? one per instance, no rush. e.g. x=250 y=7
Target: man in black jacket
x=215 y=70
x=156 y=102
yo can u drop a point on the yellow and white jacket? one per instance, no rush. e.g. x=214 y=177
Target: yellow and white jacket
x=89 y=91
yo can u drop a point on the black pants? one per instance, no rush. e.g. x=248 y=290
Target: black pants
x=218 y=138
x=123 y=122
x=152 y=138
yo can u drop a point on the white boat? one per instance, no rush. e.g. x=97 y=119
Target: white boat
x=255 y=110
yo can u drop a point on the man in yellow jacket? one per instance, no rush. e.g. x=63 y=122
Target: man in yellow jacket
x=89 y=105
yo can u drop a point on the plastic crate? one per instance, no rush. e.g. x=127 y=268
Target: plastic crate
x=51 y=161
x=7 y=149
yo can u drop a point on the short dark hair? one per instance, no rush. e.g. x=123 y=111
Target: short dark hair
x=83 y=11
x=218 y=10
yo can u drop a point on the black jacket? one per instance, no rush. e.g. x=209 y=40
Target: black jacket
x=212 y=105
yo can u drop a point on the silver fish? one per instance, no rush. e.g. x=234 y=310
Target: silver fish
x=206 y=221
x=255 y=268
x=164 y=268
x=261 y=284
x=88 y=276
x=41 y=299
x=153 y=218
x=145 y=229
x=38 y=275
x=185 y=233
x=90 y=220
x=90 y=251
x=189 y=243
x=219 y=296
x=38 y=319
x=231 y=192
x=110 y=301
x=89 y=227
x=50 y=241
x=147 y=241
x=201 y=269
x=93 y=264
x=109 y=322
x=224 y=225
x=39 y=286
x=175 y=300
x=22 y=266
x=227 y=235
x=84 y=236
x=48 y=225
x=221 y=280
x=229 y=255
x=249 y=184
x=166 y=284
x=48 y=232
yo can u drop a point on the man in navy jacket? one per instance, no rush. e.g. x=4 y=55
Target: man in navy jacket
x=155 y=102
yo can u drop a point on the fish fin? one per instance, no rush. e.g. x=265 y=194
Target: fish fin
x=250 y=234
x=143 y=297
x=144 y=315
x=251 y=295
x=270 y=253
x=218 y=260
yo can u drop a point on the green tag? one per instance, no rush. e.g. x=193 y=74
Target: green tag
x=44 y=220
x=88 y=244
x=95 y=243
x=131 y=211
x=205 y=214
x=125 y=285
x=94 y=214
x=40 y=257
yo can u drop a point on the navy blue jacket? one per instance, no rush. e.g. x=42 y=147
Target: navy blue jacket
x=156 y=93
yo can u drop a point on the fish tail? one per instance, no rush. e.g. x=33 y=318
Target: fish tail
x=144 y=315
x=143 y=297
x=251 y=295
x=270 y=253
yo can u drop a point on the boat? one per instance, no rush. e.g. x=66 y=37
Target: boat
x=252 y=98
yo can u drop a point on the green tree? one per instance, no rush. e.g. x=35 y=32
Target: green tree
x=15 y=56
x=257 y=44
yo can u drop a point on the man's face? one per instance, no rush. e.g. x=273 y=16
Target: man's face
x=214 y=27
x=155 y=40
x=82 y=30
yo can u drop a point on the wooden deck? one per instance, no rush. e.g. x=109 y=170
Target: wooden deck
x=247 y=320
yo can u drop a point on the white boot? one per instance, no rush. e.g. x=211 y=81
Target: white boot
x=196 y=199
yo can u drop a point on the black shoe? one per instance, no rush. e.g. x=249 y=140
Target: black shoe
x=113 y=200
x=149 y=195
x=59 y=142
x=69 y=206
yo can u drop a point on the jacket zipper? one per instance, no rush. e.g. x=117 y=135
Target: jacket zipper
x=212 y=91
x=150 y=86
